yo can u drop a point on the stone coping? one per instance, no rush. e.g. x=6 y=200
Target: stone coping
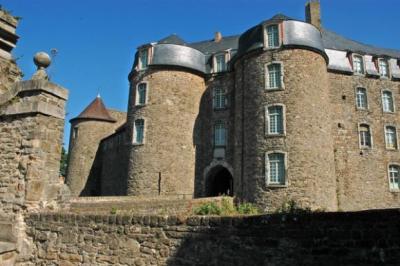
x=138 y=198
x=215 y=221
x=34 y=85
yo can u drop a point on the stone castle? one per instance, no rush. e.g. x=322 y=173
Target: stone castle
x=287 y=110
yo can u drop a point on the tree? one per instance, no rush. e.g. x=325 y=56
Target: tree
x=63 y=162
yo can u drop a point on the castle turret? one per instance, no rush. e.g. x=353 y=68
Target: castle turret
x=283 y=133
x=164 y=102
x=87 y=130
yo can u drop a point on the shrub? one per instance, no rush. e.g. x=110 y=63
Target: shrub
x=247 y=208
x=291 y=207
x=209 y=208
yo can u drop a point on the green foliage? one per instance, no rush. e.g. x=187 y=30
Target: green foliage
x=209 y=208
x=226 y=208
x=291 y=207
x=113 y=210
x=248 y=209
x=63 y=162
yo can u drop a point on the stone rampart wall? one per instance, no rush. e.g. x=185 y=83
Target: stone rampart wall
x=359 y=238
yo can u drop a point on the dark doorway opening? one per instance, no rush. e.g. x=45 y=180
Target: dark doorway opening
x=220 y=182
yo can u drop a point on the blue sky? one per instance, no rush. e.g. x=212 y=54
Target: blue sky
x=96 y=39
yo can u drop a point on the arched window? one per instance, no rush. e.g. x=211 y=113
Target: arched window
x=358 y=64
x=219 y=134
x=383 y=67
x=275 y=120
x=141 y=94
x=365 y=136
x=387 y=101
x=275 y=168
x=394 y=177
x=274 y=76
x=272 y=36
x=391 y=137
x=361 y=98
x=138 y=134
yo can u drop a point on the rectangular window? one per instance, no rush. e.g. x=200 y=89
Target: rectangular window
x=387 y=101
x=219 y=99
x=139 y=131
x=391 y=137
x=365 y=136
x=143 y=58
x=394 y=178
x=276 y=169
x=358 y=64
x=275 y=120
x=219 y=134
x=75 y=132
x=273 y=36
x=141 y=94
x=361 y=98
x=383 y=68
x=274 y=76
x=220 y=63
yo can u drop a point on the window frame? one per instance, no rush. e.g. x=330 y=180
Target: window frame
x=362 y=64
x=362 y=147
x=388 y=176
x=223 y=96
x=267 y=79
x=366 y=98
x=266 y=38
x=227 y=57
x=134 y=139
x=149 y=51
x=267 y=122
x=75 y=132
x=267 y=170
x=222 y=122
x=396 y=136
x=393 y=101
x=379 y=60
x=137 y=93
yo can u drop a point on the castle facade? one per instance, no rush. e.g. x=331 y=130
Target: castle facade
x=285 y=111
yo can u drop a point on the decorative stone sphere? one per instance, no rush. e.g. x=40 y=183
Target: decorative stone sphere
x=41 y=59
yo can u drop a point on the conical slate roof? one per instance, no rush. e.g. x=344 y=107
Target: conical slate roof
x=172 y=39
x=96 y=110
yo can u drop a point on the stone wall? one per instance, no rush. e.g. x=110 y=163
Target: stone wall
x=114 y=163
x=363 y=238
x=362 y=174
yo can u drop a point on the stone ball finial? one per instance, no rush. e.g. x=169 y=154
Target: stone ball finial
x=42 y=60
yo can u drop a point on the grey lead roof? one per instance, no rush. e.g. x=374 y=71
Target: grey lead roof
x=330 y=40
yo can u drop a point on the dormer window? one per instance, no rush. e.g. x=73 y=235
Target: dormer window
x=143 y=58
x=383 y=67
x=358 y=64
x=272 y=35
x=220 y=62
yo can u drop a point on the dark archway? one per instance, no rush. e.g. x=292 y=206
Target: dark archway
x=219 y=182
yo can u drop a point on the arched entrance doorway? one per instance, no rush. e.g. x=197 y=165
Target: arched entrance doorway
x=219 y=182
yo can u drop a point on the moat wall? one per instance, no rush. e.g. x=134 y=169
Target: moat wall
x=359 y=238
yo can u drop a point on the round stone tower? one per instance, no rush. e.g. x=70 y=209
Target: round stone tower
x=162 y=116
x=284 y=146
x=87 y=129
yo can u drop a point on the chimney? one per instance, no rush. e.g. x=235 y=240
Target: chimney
x=217 y=36
x=313 y=13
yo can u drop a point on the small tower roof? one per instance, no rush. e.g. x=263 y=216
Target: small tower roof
x=172 y=39
x=96 y=110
